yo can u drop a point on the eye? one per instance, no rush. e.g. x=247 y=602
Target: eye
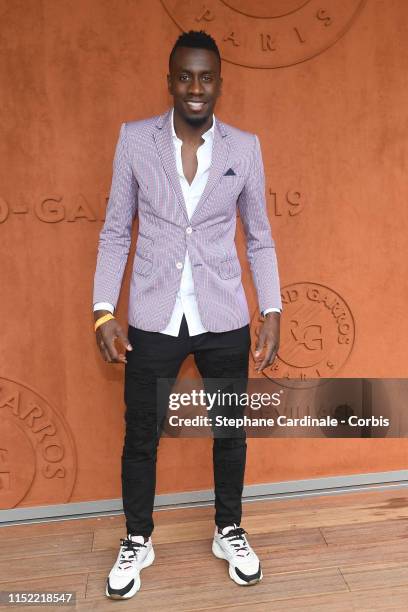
x=184 y=77
x=207 y=78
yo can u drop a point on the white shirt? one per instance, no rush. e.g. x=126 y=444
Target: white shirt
x=186 y=300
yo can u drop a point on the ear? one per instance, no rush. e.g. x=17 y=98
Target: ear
x=169 y=87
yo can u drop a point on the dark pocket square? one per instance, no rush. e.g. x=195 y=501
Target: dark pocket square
x=230 y=172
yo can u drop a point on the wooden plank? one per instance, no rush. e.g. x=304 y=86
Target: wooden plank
x=72 y=582
x=346 y=554
x=325 y=517
x=380 y=600
x=38 y=545
x=274 y=561
x=374 y=600
x=199 y=549
x=32 y=568
x=207 y=571
x=366 y=532
x=378 y=574
x=181 y=532
x=325 y=554
x=267 y=523
x=201 y=573
x=190 y=592
x=378 y=501
x=264 y=544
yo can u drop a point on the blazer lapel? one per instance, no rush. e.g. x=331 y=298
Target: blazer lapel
x=165 y=147
x=218 y=163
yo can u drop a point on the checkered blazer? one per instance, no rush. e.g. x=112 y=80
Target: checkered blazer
x=145 y=183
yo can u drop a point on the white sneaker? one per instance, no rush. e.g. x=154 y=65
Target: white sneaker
x=232 y=545
x=124 y=578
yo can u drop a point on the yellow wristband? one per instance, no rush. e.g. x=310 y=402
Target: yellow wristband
x=103 y=319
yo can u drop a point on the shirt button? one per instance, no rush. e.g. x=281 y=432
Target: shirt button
x=179 y=265
x=189 y=230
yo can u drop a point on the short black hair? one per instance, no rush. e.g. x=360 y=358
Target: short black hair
x=195 y=39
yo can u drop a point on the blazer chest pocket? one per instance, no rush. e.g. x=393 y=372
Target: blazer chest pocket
x=144 y=255
x=229 y=268
x=232 y=184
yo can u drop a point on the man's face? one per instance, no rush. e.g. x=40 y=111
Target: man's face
x=195 y=83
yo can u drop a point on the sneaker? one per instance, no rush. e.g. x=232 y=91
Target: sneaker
x=231 y=544
x=124 y=578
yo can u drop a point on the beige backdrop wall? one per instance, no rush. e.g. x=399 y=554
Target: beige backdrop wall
x=324 y=85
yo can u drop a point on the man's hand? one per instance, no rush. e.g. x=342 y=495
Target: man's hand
x=267 y=345
x=106 y=335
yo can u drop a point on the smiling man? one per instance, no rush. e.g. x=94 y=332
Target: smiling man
x=184 y=174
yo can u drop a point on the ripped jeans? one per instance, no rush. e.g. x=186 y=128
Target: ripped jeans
x=156 y=355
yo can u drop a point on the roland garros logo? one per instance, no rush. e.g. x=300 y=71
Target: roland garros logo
x=37 y=451
x=317 y=334
x=267 y=33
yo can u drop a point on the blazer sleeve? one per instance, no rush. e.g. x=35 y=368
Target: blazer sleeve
x=260 y=244
x=116 y=234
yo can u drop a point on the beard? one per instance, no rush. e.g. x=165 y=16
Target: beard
x=197 y=121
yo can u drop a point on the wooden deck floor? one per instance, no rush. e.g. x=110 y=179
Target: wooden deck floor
x=330 y=553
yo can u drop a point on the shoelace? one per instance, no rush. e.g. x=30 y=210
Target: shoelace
x=129 y=552
x=241 y=544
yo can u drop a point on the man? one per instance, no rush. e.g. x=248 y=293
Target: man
x=184 y=173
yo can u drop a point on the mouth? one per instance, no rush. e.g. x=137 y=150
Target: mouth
x=196 y=107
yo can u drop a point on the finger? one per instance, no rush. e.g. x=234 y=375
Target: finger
x=106 y=356
x=260 y=343
x=119 y=357
x=108 y=338
x=101 y=346
x=273 y=356
x=268 y=355
x=105 y=353
x=113 y=353
x=125 y=341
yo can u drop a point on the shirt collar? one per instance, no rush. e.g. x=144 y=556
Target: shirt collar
x=208 y=135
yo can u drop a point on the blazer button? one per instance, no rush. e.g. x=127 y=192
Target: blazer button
x=179 y=265
x=189 y=230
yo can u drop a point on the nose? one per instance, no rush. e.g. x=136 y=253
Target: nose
x=196 y=87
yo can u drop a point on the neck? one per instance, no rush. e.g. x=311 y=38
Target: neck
x=190 y=132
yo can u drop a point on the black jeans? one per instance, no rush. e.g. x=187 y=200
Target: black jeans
x=156 y=355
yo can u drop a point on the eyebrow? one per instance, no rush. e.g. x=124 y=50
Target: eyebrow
x=201 y=71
